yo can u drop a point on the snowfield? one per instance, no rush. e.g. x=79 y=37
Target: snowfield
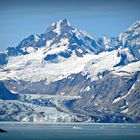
x=67 y=75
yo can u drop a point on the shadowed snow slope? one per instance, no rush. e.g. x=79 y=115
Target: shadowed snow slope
x=67 y=75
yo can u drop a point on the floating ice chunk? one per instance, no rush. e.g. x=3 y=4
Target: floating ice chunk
x=76 y=127
x=124 y=111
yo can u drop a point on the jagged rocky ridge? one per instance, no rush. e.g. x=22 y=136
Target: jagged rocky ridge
x=66 y=75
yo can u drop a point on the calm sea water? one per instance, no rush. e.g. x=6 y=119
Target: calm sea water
x=70 y=132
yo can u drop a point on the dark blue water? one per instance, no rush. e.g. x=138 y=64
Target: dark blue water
x=70 y=132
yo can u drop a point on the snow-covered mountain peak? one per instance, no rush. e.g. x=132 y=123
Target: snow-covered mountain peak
x=62 y=35
x=63 y=22
x=132 y=34
x=59 y=27
x=130 y=42
x=61 y=40
x=49 y=77
x=135 y=25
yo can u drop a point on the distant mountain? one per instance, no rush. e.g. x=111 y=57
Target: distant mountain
x=130 y=40
x=67 y=75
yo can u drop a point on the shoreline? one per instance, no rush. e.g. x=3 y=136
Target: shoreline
x=63 y=123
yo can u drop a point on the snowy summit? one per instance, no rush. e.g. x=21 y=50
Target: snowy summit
x=67 y=75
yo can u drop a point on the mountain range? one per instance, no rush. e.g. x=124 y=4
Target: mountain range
x=68 y=75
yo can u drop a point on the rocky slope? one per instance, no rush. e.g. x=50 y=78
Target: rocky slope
x=66 y=75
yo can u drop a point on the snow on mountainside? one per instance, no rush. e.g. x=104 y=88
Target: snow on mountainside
x=86 y=78
x=130 y=39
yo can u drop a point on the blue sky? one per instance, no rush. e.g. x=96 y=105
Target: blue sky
x=19 y=19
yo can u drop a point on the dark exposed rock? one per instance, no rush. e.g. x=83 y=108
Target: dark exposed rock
x=5 y=94
x=1 y=130
x=97 y=102
x=3 y=59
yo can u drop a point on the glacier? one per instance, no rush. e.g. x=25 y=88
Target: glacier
x=67 y=75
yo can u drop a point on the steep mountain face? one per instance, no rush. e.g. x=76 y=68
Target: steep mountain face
x=5 y=94
x=57 y=35
x=130 y=44
x=3 y=59
x=66 y=75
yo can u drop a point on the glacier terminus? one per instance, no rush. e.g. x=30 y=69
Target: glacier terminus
x=67 y=75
